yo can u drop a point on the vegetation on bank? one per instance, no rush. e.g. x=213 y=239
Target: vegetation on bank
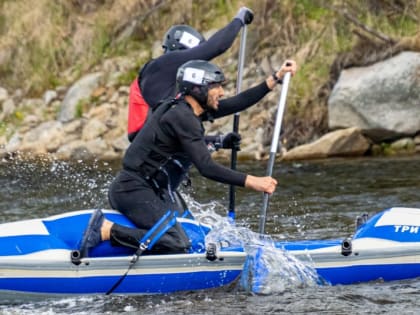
x=45 y=44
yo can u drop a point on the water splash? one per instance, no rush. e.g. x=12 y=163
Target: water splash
x=268 y=269
x=271 y=270
x=47 y=186
x=58 y=185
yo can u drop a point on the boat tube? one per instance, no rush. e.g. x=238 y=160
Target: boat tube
x=385 y=247
x=39 y=257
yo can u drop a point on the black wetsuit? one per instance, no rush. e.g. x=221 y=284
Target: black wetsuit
x=172 y=139
x=158 y=78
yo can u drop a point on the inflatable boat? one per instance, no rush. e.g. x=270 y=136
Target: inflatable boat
x=384 y=247
x=40 y=257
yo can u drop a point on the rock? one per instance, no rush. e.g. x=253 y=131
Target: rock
x=347 y=142
x=35 y=103
x=18 y=95
x=46 y=137
x=85 y=150
x=74 y=127
x=123 y=64
x=79 y=91
x=381 y=99
x=14 y=142
x=259 y=119
x=3 y=95
x=114 y=98
x=266 y=65
x=114 y=80
x=121 y=144
x=49 y=96
x=61 y=91
x=8 y=108
x=76 y=149
x=124 y=90
x=403 y=145
x=3 y=141
x=110 y=155
x=31 y=121
x=103 y=112
x=3 y=153
x=94 y=128
x=97 y=147
x=98 y=92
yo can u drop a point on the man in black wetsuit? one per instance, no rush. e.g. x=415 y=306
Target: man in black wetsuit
x=156 y=80
x=159 y=157
x=181 y=43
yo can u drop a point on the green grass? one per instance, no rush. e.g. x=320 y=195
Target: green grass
x=80 y=108
x=11 y=123
x=311 y=10
x=44 y=52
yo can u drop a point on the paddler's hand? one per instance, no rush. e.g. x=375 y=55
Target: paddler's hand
x=265 y=184
x=277 y=76
x=245 y=15
x=232 y=140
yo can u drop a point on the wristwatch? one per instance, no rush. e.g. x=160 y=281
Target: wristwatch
x=276 y=78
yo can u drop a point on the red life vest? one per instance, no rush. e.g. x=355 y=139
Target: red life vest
x=137 y=109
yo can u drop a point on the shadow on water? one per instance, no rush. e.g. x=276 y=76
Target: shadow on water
x=314 y=200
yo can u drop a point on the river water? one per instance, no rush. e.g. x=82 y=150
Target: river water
x=314 y=200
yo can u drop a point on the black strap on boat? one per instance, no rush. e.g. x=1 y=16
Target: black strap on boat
x=148 y=241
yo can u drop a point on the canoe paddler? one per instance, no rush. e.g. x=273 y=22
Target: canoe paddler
x=156 y=79
x=160 y=156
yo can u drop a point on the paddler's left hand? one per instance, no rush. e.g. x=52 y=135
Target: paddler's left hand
x=232 y=140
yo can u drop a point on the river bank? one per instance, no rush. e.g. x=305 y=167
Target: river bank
x=353 y=95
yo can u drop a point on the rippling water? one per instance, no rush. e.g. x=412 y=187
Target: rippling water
x=314 y=200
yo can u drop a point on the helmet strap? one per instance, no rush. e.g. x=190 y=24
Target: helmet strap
x=200 y=93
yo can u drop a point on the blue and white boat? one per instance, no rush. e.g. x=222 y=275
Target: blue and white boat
x=385 y=247
x=39 y=257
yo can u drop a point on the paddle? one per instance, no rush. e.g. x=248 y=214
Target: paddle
x=234 y=155
x=274 y=144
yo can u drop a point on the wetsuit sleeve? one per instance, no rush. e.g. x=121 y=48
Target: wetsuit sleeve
x=158 y=78
x=189 y=131
x=213 y=47
x=216 y=45
x=241 y=101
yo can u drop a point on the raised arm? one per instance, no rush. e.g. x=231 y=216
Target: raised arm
x=253 y=95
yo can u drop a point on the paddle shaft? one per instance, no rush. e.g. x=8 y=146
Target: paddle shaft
x=234 y=155
x=274 y=145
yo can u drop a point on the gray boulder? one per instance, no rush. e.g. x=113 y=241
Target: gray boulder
x=382 y=99
x=3 y=95
x=79 y=91
x=339 y=143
